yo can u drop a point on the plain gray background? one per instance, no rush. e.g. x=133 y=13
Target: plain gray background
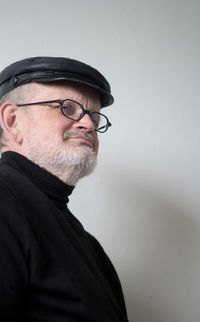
x=142 y=202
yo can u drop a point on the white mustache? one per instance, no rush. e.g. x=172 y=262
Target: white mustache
x=68 y=135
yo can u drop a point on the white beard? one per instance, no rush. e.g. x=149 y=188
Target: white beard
x=69 y=161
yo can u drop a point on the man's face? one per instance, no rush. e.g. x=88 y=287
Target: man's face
x=52 y=140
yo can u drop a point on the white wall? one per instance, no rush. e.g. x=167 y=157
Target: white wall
x=143 y=201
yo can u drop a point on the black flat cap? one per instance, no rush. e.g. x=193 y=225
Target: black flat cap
x=48 y=69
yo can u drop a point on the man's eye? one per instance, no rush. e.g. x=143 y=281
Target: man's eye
x=69 y=109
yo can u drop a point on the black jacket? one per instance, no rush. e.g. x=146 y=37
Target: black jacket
x=51 y=269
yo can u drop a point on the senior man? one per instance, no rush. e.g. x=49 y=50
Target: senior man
x=51 y=269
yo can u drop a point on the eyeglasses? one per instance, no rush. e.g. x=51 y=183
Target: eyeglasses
x=75 y=111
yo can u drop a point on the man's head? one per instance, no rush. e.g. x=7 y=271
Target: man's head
x=63 y=145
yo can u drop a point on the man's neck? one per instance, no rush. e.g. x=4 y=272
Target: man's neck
x=69 y=176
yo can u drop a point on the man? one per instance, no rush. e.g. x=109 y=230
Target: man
x=51 y=269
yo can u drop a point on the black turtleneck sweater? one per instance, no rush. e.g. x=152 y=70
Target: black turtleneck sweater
x=51 y=269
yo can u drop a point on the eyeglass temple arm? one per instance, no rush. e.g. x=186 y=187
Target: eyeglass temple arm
x=43 y=102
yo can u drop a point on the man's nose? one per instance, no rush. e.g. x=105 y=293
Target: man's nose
x=86 y=123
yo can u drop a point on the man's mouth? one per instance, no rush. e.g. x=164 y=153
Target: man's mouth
x=83 y=140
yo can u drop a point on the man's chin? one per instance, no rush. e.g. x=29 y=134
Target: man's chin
x=80 y=166
x=84 y=150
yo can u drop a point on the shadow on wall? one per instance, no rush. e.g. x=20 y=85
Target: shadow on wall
x=161 y=250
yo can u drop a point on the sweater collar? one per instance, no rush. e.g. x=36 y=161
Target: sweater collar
x=52 y=186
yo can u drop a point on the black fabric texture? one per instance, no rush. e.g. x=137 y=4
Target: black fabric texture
x=51 y=269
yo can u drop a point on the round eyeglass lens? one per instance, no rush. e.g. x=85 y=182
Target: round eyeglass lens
x=71 y=109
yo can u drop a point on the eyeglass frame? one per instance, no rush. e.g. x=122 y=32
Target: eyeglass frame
x=84 y=111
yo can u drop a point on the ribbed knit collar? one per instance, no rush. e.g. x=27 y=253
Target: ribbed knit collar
x=51 y=185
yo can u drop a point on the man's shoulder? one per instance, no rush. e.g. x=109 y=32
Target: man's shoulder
x=99 y=250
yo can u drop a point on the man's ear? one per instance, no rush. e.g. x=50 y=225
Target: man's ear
x=8 y=119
